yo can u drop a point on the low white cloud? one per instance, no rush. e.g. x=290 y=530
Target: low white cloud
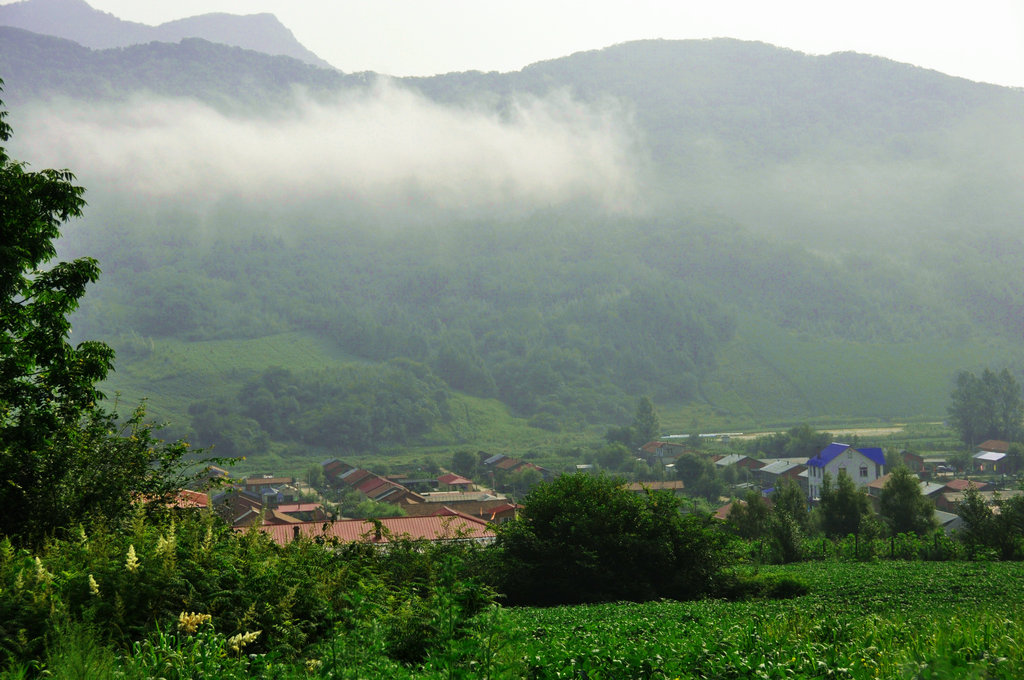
x=383 y=146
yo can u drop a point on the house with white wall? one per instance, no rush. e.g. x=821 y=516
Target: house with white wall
x=863 y=465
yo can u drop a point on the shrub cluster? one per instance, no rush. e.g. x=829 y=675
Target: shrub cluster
x=150 y=586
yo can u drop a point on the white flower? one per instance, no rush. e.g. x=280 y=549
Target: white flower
x=131 y=563
x=236 y=642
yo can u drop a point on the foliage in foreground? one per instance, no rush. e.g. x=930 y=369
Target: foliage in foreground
x=62 y=457
x=859 y=620
x=131 y=585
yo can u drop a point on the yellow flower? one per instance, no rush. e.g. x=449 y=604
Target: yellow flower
x=131 y=563
x=189 y=622
x=236 y=642
x=94 y=588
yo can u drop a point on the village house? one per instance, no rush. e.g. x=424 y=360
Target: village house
x=948 y=501
x=993 y=457
x=661 y=452
x=930 y=490
x=740 y=461
x=863 y=466
x=445 y=525
x=775 y=472
x=485 y=505
x=454 y=482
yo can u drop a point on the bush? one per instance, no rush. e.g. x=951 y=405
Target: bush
x=584 y=538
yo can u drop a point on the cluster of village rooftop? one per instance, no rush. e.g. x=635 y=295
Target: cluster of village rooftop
x=866 y=466
x=452 y=507
x=448 y=507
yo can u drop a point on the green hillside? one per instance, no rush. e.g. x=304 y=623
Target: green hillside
x=748 y=235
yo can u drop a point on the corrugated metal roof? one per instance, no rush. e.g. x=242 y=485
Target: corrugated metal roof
x=827 y=454
x=354 y=475
x=874 y=454
x=778 y=467
x=989 y=456
x=430 y=527
x=830 y=452
x=371 y=484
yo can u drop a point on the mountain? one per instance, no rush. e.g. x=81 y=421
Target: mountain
x=747 y=234
x=76 y=20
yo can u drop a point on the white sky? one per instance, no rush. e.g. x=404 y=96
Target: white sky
x=977 y=39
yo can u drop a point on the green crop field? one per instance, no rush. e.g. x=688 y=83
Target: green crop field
x=860 y=620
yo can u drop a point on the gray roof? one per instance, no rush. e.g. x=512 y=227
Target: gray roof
x=778 y=467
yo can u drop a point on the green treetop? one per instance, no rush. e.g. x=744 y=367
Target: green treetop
x=62 y=458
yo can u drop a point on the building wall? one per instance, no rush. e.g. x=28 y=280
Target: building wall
x=861 y=469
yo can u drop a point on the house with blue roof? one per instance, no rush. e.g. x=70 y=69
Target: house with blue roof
x=863 y=465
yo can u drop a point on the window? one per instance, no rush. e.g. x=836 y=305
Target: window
x=863 y=471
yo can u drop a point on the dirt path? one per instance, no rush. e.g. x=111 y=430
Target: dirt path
x=838 y=434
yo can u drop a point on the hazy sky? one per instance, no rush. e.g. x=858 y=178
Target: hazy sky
x=980 y=39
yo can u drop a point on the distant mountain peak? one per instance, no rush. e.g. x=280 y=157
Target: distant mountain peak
x=78 y=21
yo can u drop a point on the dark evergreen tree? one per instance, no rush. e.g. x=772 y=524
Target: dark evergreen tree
x=844 y=507
x=646 y=426
x=902 y=506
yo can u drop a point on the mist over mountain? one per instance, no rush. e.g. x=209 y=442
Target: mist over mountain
x=737 y=230
x=76 y=20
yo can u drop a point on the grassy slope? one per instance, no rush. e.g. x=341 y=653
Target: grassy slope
x=176 y=372
x=766 y=378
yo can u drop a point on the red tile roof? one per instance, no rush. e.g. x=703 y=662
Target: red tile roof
x=299 y=507
x=371 y=484
x=430 y=528
x=508 y=464
x=453 y=479
x=355 y=477
x=995 y=445
x=962 y=484
x=186 y=498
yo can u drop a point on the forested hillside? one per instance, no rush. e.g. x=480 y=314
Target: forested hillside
x=758 y=234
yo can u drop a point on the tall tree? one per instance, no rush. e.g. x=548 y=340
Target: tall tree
x=750 y=518
x=989 y=406
x=844 y=507
x=61 y=456
x=646 y=426
x=903 y=507
x=788 y=499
